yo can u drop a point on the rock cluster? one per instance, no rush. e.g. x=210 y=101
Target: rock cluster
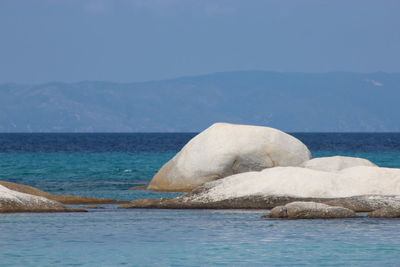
x=240 y=166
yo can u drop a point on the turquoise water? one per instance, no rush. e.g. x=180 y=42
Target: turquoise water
x=193 y=238
x=99 y=174
x=108 y=165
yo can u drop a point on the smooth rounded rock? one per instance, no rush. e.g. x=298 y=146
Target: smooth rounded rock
x=336 y=163
x=310 y=210
x=64 y=199
x=13 y=201
x=226 y=149
x=302 y=182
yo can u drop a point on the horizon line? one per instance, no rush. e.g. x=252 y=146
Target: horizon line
x=196 y=75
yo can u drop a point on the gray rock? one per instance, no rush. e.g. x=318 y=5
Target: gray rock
x=365 y=203
x=64 y=199
x=386 y=212
x=310 y=210
x=251 y=202
x=14 y=201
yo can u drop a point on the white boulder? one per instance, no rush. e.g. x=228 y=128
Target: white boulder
x=13 y=201
x=303 y=182
x=336 y=163
x=226 y=149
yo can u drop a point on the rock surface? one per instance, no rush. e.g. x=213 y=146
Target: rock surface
x=225 y=149
x=336 y=163
x=386 y=212
x=357 y=203
x=183 y=202
x=310 y=210
x=303 y=183
x=65 y=199
x=13 y=201
x=366 y=203
x=374 y=188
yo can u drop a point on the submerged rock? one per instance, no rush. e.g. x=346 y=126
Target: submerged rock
x=65 y=199
x=336 y=163
x=310 y=210
x=225 y=149
x=13 y=201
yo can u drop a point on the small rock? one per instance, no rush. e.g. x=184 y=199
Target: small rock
x=310 y=210
x=139 y=187
x=13 y=201
x=386 y=212
x=366 y=203
x=64 y=199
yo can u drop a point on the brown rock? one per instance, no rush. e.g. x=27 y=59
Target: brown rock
x=139 y=187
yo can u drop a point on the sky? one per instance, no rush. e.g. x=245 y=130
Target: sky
x=139 y=40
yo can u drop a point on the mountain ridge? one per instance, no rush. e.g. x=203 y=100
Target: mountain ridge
x=291 y=101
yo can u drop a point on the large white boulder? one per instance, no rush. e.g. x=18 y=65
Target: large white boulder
x=336 y=163
x=226 y=149
x=13 y=201
x=303 y=182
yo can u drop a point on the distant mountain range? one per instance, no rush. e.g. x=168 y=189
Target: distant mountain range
x=304 y=102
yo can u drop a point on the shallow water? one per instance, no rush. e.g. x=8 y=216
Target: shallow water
x=107 y=165
x=192 y=238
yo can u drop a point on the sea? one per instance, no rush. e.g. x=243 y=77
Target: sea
x=107 y=165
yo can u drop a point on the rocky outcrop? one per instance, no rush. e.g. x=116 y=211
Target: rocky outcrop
x=336 y=163
x=65 y=199
x=250 y=202
x=284 y=186
x=13 y=201
x=310 y=210
x=303 y=183
x=226 y=149
x=356 y=203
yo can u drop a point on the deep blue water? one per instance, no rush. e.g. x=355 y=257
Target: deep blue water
x=107 y=165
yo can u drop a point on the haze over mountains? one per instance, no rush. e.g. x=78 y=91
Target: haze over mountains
x=302 y=102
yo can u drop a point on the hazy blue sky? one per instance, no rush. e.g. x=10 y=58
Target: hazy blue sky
x=136 y=40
